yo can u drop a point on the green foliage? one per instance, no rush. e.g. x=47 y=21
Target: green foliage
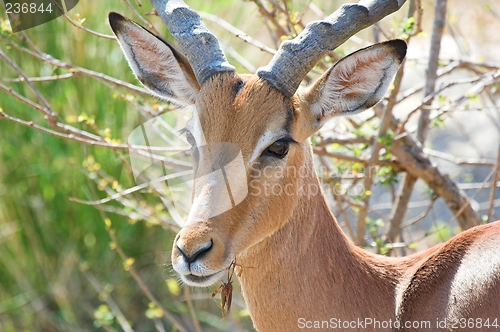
x=47 y=242
x=103 y=316
x=153 y=312
x=315 y=140
x=386 y=139
x=431 y=193
x=403 y=28
x=407 y=27
x=441 y=232
x=373 y=227
x=387 y=176
x=438 y=122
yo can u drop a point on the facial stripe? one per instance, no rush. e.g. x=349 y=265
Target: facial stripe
x=220 y=182
x=197 y=130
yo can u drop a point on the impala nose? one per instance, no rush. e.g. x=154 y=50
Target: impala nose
x=192 y=254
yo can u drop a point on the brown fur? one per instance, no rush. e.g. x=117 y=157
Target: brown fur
x=299 y=263
x=303 y=266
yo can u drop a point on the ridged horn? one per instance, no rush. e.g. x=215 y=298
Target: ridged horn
x=296 y=57
x=197 y=43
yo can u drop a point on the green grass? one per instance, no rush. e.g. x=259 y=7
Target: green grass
x=49 y=246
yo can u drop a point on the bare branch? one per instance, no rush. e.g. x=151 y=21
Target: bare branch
x=80 y=26
x=142 y=285
x=462 y=208
x=120 y=317
x=238 y=57
x=237 y=32
x=412 y=158
x=79 y=70
x=344 y=141
x=377 y=145
x=406 y=188
x=70 y=137
x=477 y=185
x=187 y=296
x=422 y=215
x=494 y=187
x=392 y=164
x=437 y=34
x=416 y=10
x=40 y=79
x=140 y=17
x=131 y=190
x=419 y=87
x=482 y=81
x=47 y=110
x=400 y=207
x=460 y=161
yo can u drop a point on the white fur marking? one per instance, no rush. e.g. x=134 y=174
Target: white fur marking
x=264 y=141
x=470 y=280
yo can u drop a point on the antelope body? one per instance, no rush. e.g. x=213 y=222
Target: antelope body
x=305 y=272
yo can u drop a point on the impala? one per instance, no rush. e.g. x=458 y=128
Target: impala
x=304 y=271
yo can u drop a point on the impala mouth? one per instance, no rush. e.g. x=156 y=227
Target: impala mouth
x=202 y=281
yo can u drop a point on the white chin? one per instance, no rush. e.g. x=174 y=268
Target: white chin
x=202 y=281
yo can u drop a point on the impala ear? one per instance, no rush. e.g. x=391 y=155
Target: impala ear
x=356 y=82
x=158 y=65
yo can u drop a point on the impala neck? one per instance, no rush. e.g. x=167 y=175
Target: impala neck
x=309 y=271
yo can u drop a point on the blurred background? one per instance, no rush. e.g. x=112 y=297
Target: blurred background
x=69 y=266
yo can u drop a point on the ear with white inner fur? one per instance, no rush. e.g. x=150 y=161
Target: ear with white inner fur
x=356 y=82
x=158 y=65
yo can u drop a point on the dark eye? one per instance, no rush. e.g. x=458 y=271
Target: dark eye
x=278 y=149
x=189 y=137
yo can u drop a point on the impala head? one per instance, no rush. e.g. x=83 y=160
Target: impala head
x=264 y=118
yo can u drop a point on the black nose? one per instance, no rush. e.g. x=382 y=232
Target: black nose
x=201 y=250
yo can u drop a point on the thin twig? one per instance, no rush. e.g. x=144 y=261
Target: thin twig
x=344 y=141
x=437 y=34
x=47 y=110
x=141 y=283
x=494 y=187
x=122 y=320
x=79 y=70
x=192 y=312
x=389 y=163
x=92 y=32
x=426 y=102
x=54 y=133
x=460 y=161
x=143 y=20
x=131 y=270
x=237 y=32
x=40 y=79
x=462 y=208
x=422 y=215
x=131 y=190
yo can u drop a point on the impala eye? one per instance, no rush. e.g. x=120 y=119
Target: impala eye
x=278 y=149
x=189 y=137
